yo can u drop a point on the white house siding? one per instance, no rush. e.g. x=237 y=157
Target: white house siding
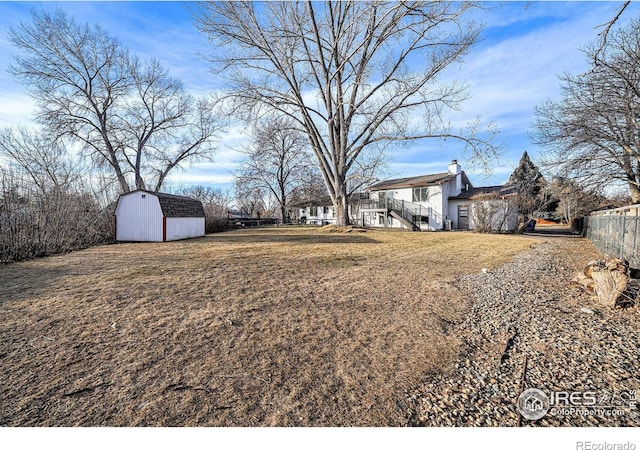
x=506 y=215
x=436 y=216
x=139 y=218
x=323 y=216
x=510 y=224
x=184 y=227
x=434 y=208
x=453 y=211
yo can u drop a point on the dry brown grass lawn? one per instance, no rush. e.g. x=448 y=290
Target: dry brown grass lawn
x=288 y=326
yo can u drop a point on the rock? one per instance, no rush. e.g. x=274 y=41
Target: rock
x=565 y=351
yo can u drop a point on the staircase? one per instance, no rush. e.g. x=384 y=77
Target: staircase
x=409 y=223
x=406 y=213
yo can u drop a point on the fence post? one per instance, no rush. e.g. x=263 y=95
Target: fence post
x=624 y=237
x=635 y=236
x=606 y=236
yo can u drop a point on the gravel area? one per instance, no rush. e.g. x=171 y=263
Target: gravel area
x=524 y=315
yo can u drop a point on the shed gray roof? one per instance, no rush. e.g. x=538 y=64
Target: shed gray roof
x=177 y=205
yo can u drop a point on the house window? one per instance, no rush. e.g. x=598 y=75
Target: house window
x=144 y=195
x=325 y=210
x=313 y=210
x=421 y=194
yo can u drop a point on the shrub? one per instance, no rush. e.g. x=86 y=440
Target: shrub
x=35 y=223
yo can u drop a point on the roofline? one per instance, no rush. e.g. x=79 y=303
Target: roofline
x=446 y=176
x=159 y=194
x=492 y=190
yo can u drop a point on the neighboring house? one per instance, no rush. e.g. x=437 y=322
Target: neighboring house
x=322 y=212
x=433 y=202
x=158 y=217
x=314 y=212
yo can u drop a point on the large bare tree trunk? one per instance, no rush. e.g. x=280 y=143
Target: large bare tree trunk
x=634 y=191
x=341 y=201
x=349 y=75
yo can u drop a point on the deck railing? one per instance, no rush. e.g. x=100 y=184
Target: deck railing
x=412 y=212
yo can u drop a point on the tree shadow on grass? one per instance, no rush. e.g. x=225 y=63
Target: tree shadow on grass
x=20 y=281
x=260 y=238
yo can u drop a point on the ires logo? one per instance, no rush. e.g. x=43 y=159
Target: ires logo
x=534 y=404
x=562 y=399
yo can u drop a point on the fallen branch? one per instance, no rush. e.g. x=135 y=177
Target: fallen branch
x=522 y=383
x=184 y=387
x=509 y=345
x=85 y=390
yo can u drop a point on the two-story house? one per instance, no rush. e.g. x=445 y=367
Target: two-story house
x=441 y=201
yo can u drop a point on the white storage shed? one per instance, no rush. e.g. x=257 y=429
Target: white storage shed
x=145 y=216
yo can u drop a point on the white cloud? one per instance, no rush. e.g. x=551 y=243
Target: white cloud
x=525 y=47
x=16 y=109
x=510 y=77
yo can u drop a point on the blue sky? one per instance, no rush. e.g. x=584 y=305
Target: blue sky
x=524 y=47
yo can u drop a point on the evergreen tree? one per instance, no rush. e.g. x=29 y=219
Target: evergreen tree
x=530 y=183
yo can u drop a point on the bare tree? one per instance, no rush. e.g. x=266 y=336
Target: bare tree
x=573 y=201
x=251 y=200
x=604 y=34
x=163 y=126
x=277 y=161
x=617 y=199
x=46 y=161
x=216 y=203
x=38 y=219
x=128 y=116
x=314 y=188
x=351 y=75
x=593 y=131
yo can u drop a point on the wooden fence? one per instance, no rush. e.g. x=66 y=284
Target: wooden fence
x=615 y=233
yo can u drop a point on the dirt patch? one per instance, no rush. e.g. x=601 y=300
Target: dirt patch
x=287 y=326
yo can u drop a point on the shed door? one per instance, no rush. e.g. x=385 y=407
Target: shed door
x=463 y=217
